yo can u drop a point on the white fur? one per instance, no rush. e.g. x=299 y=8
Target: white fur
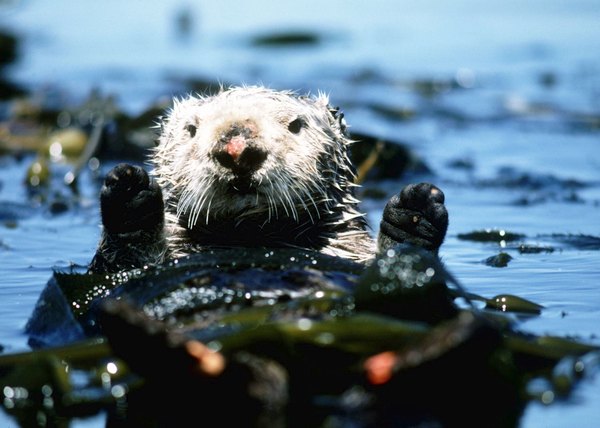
x=294 y=182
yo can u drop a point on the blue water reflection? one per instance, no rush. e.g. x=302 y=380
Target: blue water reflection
x=497 y=83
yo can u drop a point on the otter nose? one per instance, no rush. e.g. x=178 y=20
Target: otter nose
x=235 y=147
x=238 y=152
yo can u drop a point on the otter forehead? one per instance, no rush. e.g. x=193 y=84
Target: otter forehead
x=258 y=105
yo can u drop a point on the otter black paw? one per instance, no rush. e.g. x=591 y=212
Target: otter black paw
x=416 y=215
x=130 y=201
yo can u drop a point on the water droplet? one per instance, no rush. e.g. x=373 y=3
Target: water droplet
x=41 y=419
x=36 y=168
x=9 y=392
x=118 y=391
x=304 y=324
x=111 y=368
x=326 y=338
x=21 y=393
x=69 y=178
x=93 y=164
x=547 y=397
x=47 y=390
x=48 y=402
x=55 y=149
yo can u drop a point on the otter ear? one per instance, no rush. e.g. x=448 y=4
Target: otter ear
x=338 y=117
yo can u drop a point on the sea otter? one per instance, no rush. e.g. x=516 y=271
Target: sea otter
x=251 y=166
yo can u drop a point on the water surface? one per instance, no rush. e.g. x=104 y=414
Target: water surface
x=509 y=88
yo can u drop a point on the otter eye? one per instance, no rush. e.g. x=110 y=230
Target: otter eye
x=296 y=125
x=191 y=129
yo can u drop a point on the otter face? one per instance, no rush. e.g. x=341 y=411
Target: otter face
x=249 y=151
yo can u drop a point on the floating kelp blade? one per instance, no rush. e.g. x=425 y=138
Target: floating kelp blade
x=77 y=380
x=293 y=327
x=406 y=282
x=500 y=260
x=215 y=280
x=511 y=303
x=420 y=382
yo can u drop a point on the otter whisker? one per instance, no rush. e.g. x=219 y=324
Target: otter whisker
x=208 y=196
x=186 y=201
x=299 y=201
x=269 y=207
x=312 y=220
x=269 y=199
x=310 y=197
x=208 y=208
x=284 y=185
x=272 y=205
x=273 y=194
x=185 y=205
x=195 y=209
x=200 y=193
x=283 y=205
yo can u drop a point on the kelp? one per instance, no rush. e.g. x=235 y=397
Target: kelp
x=282 y=334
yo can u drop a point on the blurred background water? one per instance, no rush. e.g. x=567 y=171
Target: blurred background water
x=501 y=99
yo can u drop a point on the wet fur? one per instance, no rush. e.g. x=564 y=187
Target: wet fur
x=299 y=193
x=303 y=194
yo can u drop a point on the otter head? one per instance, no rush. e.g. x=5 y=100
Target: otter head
x=251 y=151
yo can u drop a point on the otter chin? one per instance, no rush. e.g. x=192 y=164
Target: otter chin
x=251 y=166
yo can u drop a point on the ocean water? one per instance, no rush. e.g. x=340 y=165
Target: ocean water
x=503 y=103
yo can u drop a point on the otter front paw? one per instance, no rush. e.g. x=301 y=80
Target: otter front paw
x=130 y=201
x=416 y=215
